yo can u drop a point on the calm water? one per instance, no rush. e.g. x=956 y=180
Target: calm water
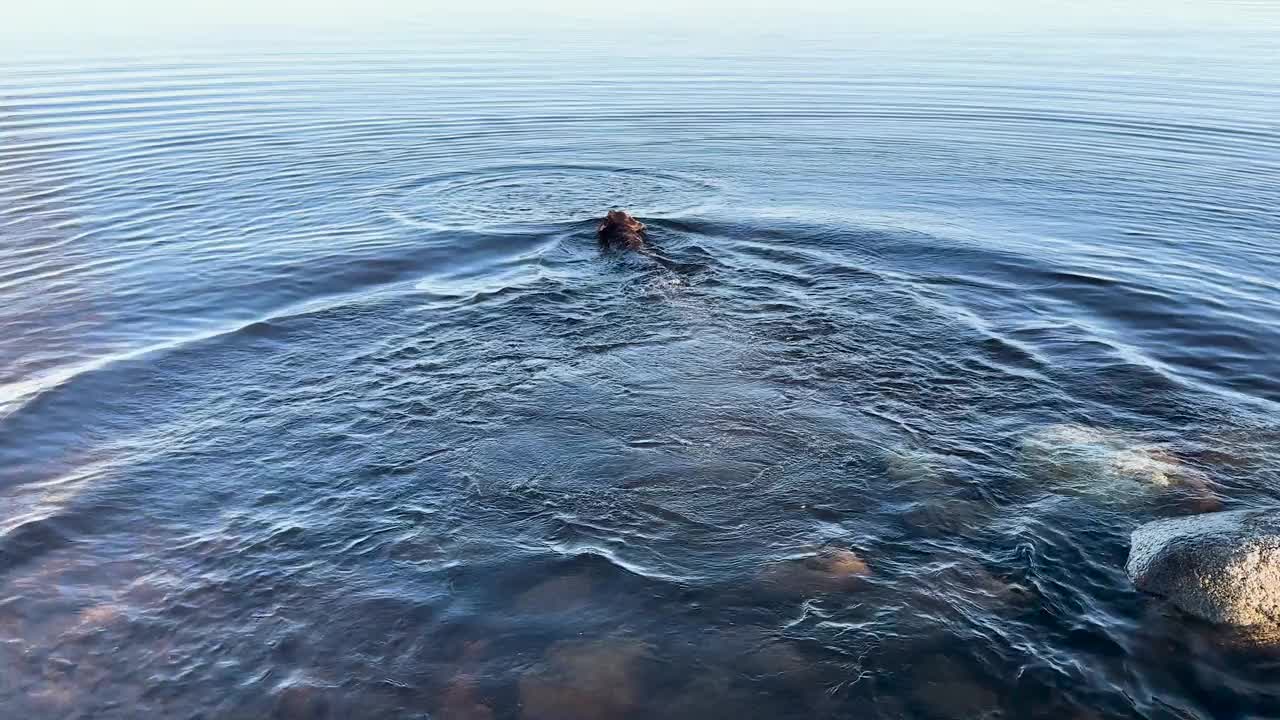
x=319 y=400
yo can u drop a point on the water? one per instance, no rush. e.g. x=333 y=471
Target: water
x=320 y=400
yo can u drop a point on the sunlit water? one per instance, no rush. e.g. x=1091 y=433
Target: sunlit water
x=319 y=398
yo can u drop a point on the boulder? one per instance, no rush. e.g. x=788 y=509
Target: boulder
x=1223 y=567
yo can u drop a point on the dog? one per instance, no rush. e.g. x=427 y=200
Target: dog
x=620 y=230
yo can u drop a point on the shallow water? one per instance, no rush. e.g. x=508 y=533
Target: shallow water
x=319 y=399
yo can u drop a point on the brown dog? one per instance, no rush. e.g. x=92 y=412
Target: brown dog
x=619 y=229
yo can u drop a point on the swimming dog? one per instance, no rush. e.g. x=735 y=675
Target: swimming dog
x=620 y=230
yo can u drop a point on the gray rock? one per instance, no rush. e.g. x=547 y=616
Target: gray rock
x=1223 y=567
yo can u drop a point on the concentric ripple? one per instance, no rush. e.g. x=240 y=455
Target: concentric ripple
x=520 y=198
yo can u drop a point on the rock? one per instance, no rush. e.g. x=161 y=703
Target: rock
x=707 y=694
x=1091 y=462
x=584 y=681
x=964 y=581
x=1223 y=567
x=100 y=616
x=830 y=569
x=461 y=701
x=59 y=665
x=301 y=702
x=840 y=562
x=945 y=688
x=559 y=594
x=911 y=466
x=758 y=653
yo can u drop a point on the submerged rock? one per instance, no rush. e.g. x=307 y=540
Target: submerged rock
x=1088 y=461
x=461 y=701
x=908 y=466
x=1223 y=567
x=301 y=702
x=584 y=681
x=830 y=569
x=758 y=652
x=558 y=594
x=946 y=688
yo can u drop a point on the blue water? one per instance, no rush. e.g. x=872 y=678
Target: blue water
x=318 y=398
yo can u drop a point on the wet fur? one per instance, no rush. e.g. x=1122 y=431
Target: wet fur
x=620 y=230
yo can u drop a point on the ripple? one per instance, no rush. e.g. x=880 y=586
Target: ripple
x=524 y=198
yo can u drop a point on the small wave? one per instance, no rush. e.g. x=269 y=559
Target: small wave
x=29 y=539
x=576 y=549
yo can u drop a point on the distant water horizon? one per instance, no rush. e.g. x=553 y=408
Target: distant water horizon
x=319 y=398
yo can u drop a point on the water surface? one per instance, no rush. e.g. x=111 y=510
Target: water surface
x=319 y=399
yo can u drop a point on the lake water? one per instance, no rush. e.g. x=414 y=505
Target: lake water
x=318 y=398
